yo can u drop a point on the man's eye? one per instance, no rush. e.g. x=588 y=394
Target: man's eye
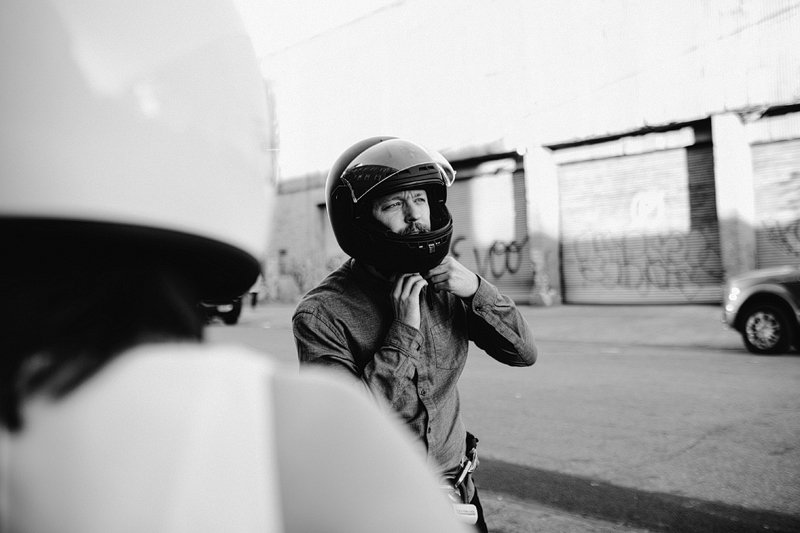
x=392 y=205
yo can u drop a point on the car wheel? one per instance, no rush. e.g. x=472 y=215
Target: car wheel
x=766 y=330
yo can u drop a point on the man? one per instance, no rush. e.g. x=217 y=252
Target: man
x=400 y=313
x=133 y=188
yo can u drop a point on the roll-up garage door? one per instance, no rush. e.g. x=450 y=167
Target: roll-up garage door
x=640 y=228
x=489 y=211
x=776 y=178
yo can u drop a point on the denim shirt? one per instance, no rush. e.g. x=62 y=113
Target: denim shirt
x=347 y=322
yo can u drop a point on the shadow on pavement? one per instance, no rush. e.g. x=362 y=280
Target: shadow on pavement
x=636 y=508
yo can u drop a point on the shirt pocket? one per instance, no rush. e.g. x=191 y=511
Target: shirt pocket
x=450 y=344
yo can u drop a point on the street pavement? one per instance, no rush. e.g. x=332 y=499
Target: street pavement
x=697 y=326
x=522 y=498
x=689 y=326
x=664 y=460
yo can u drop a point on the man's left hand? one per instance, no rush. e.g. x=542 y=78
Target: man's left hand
x=452 y=276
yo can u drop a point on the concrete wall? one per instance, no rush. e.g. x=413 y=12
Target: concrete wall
x=498 y=76
x=733 y=174
x=455 y=75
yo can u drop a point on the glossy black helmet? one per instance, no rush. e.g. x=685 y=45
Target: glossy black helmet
x=382 y=165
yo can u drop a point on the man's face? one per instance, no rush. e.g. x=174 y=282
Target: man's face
x=404 y=212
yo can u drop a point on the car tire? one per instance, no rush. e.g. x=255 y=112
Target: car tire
x=766 y=329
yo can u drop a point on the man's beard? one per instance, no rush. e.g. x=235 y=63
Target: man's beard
x=414 y=228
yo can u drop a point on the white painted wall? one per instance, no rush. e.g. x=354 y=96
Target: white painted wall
x=454 y=75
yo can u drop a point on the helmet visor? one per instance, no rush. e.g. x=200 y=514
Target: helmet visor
x=363 y=181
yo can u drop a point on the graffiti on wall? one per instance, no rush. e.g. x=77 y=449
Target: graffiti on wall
x=785 y=236
x=495 y=260
x=675 y=261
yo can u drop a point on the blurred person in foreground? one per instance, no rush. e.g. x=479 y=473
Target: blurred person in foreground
x=133 y=187
x=400 y=313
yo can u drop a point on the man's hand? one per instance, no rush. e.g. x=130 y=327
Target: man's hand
x=452 y=276
x=405 y=298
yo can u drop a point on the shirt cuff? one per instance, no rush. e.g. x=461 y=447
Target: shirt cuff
x=486 y=295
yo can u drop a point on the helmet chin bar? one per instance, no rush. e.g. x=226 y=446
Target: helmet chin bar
x=391 y=252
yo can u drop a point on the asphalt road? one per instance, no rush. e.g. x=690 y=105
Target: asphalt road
x=649 y=418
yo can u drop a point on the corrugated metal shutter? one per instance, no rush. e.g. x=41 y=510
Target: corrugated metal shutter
x=489 y=212
x=640 y=228
x=776 y=175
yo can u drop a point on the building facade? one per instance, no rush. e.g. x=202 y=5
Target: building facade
x=606 y=152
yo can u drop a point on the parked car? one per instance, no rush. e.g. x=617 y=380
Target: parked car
x=228 y=311
x=764 y=306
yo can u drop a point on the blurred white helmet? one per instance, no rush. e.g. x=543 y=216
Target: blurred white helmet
x=137 y=120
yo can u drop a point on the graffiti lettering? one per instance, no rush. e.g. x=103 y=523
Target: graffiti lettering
x=498 y=259
x=675 y=261
x=786 y=237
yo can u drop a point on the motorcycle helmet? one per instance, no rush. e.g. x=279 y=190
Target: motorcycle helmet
x=378 y=166
x=129 y=124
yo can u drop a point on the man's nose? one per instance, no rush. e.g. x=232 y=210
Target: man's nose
x=413 y=212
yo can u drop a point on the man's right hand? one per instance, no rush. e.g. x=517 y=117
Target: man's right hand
x=405 y=298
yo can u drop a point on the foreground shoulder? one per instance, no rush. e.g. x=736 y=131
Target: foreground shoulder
x=319 y=419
